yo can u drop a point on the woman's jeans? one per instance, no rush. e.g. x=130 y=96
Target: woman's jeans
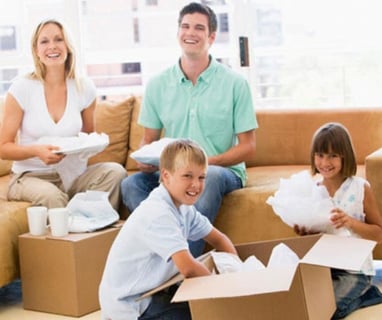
x=219 y=181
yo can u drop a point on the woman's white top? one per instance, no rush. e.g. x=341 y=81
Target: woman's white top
x=37 y=122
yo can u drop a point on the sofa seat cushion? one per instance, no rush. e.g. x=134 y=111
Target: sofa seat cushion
x=4 y=181
x=13 y=222
x=255 y=220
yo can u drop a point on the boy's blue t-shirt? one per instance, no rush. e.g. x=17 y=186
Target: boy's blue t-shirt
x=140 y=257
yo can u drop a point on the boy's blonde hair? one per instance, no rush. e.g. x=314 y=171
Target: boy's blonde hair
x=334 y=137
x=181 y=153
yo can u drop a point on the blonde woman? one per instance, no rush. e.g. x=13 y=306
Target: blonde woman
x=51 y=101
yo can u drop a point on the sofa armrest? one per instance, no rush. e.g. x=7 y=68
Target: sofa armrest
x=373 y=169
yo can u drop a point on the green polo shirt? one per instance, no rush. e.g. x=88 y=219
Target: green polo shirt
x=212 y=112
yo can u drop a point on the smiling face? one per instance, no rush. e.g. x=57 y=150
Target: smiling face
x=194 y=35
x=185 y=184
x=51 y=48
x=329 y=165
x=332 y=151
x=183 y=167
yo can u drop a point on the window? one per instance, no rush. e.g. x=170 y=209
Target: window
x=151 y=2
x=6 y=76
x=303 y=53
x=7 y=38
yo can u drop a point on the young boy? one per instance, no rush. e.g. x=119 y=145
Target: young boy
x=152 y=245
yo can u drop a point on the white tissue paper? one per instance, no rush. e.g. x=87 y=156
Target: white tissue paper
x=227 y=263
x=282 y=256
x=300 y=201
x=150 y=153
x=90 y=211
x=78 y=150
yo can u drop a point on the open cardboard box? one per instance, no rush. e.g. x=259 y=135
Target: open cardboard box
x=302 y=292
x=61 y=274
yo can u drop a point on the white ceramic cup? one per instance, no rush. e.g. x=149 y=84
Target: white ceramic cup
x=37 y=220
x=59 y=221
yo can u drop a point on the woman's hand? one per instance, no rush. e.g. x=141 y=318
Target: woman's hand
x=46 y=154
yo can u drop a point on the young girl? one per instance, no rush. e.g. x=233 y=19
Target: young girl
x=355 y=212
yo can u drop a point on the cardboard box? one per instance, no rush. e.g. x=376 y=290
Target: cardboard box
x=289 y=293
x=62 y=274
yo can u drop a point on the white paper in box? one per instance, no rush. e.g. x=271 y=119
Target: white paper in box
x=329 y=251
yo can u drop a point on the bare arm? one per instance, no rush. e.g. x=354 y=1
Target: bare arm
x=88 y=121
x=372 y=227
x=188 y=266
x=243 y=151
x=9 y=149
x=220 y=241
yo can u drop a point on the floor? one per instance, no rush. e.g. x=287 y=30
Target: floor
x=11 y=306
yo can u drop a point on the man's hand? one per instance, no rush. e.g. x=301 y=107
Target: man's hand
x=147 y=168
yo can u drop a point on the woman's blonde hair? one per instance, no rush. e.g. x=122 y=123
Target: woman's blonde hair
x=181 y=153
x=70 y=63
x=334 y=137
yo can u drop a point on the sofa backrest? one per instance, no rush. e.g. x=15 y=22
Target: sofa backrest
x=284 y=136
x=113 y=117
x=5 y=165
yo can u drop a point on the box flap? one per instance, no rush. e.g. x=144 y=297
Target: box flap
x=204 y=258
x=236 y=284
x=339 y=252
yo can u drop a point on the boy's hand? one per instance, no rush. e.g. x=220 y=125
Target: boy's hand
x=188 y=266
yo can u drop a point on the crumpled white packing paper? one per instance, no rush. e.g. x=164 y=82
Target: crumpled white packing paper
x=281 y=256
x=78 y=150
x=300 y=201
x=150 y=153
x=90 y=211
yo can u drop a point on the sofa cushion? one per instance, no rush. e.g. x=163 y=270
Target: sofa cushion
x=13 y=222
x=5 y=167
x=290 y=132
x=113 y=118
x=135 y=137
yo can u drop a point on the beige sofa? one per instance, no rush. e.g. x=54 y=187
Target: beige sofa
x=283 y=141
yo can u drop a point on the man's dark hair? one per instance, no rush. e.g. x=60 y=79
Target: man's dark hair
x=195 y=7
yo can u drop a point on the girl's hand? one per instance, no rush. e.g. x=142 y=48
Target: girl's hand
x=302 y=231
x=340 y=219
x=46 y=154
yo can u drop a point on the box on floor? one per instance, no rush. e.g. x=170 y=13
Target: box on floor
x=61 y=274
x=289 y=293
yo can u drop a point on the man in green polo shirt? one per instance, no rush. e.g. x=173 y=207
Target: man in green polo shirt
x=200 y=99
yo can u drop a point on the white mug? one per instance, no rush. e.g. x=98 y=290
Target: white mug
x=37 y=220
x=59 y=221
